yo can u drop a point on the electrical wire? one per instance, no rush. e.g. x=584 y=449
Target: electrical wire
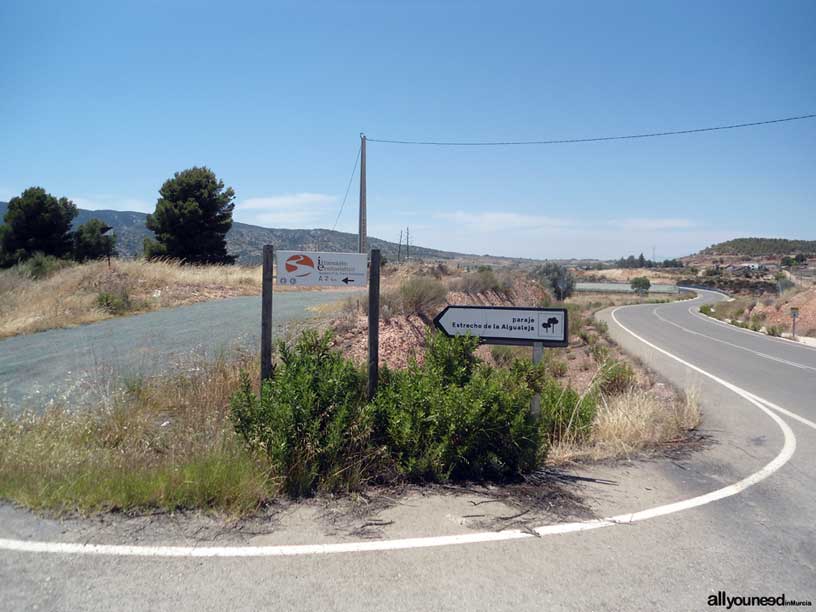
x=580 y=140
x=348 y=187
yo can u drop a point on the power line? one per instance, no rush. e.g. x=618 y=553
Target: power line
x=578 y=140
x=348 y=187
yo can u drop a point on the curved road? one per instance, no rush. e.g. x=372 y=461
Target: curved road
x=755 y=537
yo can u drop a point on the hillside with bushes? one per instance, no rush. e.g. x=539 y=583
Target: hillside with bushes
x=762 y=247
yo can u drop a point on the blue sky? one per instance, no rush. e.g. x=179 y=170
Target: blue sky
x=102 y=101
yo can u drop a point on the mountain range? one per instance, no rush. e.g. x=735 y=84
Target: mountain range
x=246 y=241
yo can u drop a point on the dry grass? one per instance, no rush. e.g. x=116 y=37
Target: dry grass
x=71 y=296
x=165 y=443
x=621 y=275
x=631 y=422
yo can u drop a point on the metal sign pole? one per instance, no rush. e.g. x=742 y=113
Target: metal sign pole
x=266 y=312
x=535 y=403
x=374 y=324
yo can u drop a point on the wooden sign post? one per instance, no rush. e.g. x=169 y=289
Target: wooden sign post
x=374 y=323
x=267 y=283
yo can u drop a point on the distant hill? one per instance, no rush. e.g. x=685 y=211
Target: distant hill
x=762 y=247
x=246 y=241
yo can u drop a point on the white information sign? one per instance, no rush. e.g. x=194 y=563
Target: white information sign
x=310 y=268
x=506 y=325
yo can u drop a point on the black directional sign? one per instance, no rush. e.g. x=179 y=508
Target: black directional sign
x=506 y=325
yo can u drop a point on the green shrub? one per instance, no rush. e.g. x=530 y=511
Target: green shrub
x=615 y=377
x=599 y=352
x=564 y=412
x=482 y=429
x=601 y=326
x=453 y=417
x=556 y=278
x=575 y=318
x=502 y=355
x=311 y=418
x=452 y=358
x=774 y=330
x=641 y=285
x=449 y=417
x=506 y=356
x=483 y=281
x=707 y=309
x=115 y=301
x=556 y=367
x=40 y=266
x=417 y=295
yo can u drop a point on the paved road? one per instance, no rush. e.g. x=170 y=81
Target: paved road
x=755 y=536
x=72 y=364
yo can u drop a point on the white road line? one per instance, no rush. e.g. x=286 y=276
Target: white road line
x=788 y=448
x=794 y=364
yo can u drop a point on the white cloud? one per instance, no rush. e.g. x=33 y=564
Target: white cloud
x=495 y=221
x=522 y=234
x=286 y=201
x=644 y=224
x=295 y=210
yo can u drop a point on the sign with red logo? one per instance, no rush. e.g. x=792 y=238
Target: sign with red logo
x=309 y=268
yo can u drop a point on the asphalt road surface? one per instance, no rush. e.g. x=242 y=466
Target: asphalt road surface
x=735 y=516
x=75 y=364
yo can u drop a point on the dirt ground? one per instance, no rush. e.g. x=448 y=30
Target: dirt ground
x=779 y=311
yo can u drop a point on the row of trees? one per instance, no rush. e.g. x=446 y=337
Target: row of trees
x=192 y=217
x=642 y=262
x=37 y=222
x=798 y=260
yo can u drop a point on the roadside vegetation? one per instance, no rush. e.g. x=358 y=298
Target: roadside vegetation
x=45 y=292
x=206 y=438
x=448 y=410
x=769 y=314
x=162 y=443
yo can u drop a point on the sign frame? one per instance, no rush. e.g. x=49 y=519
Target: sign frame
x=544 y=342
x=352 y=269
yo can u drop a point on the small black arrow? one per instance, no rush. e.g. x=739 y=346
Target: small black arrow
x=348 y=280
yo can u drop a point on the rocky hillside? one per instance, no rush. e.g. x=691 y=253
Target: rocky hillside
x=246 y=241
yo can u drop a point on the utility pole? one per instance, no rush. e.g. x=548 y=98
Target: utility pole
x=362 y=229
x=407 y=243
x=399 y=248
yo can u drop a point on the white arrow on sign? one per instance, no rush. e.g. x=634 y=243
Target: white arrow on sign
x=506 y=325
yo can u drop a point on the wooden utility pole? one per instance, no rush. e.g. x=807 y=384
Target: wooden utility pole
x=399 y=248
x=374 y=324
x=267 y=283
x=407 y=243
x=362 y=228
